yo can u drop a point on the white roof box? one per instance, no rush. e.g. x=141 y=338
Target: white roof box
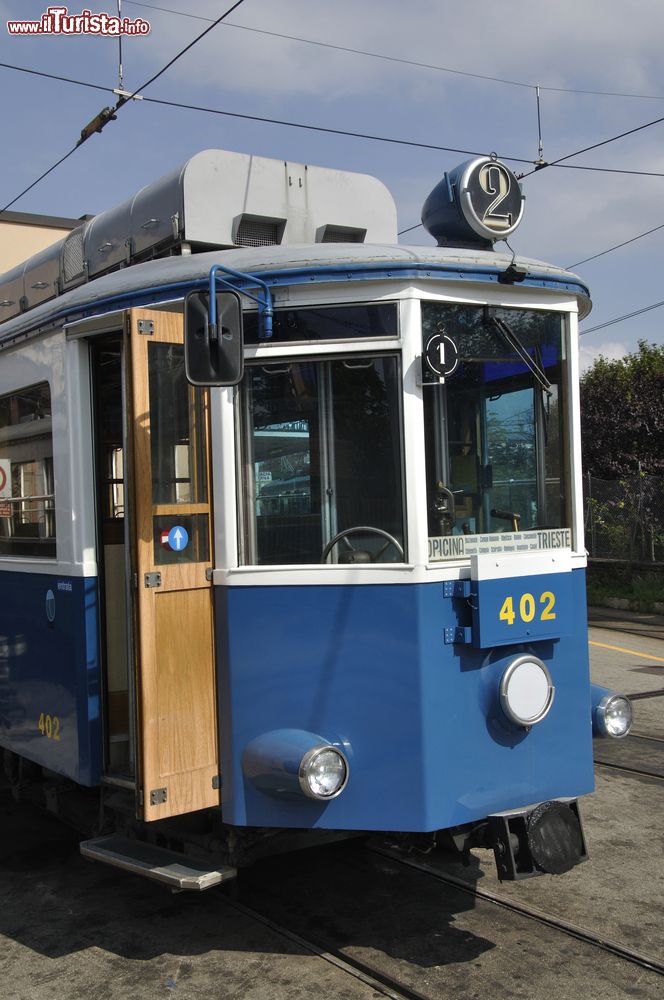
x=221 y=199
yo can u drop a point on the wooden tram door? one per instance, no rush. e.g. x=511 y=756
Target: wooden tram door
x=178 y=759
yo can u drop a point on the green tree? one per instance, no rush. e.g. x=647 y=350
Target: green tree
x=622 y=414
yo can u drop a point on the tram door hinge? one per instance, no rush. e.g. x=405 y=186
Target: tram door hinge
x=456 y=588
x=152 y=579
x=145 y=327
x=158 y=796
x=458 y=634
x=216 y=782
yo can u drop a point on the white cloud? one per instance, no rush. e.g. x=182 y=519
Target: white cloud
x=612 y=350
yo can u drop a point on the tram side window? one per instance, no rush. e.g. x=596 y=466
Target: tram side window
x=27 y=502
x=323 y=455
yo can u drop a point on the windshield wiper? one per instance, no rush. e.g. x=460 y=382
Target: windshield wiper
x=512 y=341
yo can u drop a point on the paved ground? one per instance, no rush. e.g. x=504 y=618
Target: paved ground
x=73 y=930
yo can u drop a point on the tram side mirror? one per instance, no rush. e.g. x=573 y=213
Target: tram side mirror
x=213 y=356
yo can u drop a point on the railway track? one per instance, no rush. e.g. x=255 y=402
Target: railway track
x=371 y=976
x=640 y=755
x=586 y=935
x=381 y=980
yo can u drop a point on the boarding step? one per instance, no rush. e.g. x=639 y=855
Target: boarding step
x=171 y=868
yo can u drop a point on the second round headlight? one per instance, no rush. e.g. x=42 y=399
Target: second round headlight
x=613 y=716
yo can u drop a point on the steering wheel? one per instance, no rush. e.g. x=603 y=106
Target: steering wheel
x=342 y=536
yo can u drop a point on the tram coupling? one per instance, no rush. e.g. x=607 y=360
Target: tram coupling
x=545 y=839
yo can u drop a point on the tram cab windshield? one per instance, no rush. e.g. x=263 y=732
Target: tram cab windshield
x=496 y=458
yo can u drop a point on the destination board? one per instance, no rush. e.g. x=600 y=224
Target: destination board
x=444 y=547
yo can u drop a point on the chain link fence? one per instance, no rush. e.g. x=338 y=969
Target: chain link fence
x=624 y=518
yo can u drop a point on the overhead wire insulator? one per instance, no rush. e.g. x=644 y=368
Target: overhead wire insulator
x=105 y=116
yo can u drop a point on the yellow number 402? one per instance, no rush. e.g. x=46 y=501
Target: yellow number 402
x=527 y=608
x=49 y=726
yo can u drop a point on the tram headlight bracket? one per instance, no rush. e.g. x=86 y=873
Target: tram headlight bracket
x=526 y=691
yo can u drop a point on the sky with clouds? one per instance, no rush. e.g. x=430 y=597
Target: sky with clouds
x=598 y=66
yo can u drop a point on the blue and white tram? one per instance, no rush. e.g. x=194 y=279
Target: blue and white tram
x=291 y=530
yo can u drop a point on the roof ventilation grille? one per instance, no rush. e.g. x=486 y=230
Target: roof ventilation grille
x=254 y=231
x=73 y=265
x=340 y=234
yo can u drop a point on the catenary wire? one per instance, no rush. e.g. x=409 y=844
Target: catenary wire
x=278 y=121
x=616 y=247
x=402 y=232
x=343 y=132
x=314 y=128
x=54 y=76
x=275 y=121
x=156 y=76
x=40 y=178
x=182 y=52
x=336 y=132
x=619 y=319
x=406 y=62
x=595 y=145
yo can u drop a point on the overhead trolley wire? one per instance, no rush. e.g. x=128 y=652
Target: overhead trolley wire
x=575 y=166
x=343 y=132
x=40 y=178
x=595 y=145
x=179 y=55
x=274 y=121
x=54 y=76
x=331 y=131
x=108 y=114
x=616 y=247
x=619 y=319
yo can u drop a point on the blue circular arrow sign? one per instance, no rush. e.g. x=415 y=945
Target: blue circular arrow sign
x=178 y=538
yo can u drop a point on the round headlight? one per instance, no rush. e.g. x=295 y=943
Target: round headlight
x=614 y=716
x=323 y=773
x=526 y=691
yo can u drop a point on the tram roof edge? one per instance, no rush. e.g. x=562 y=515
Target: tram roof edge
x=170 y=278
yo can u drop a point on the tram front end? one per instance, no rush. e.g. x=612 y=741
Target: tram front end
x=404 y=621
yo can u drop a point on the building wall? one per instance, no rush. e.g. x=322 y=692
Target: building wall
x=23 y=234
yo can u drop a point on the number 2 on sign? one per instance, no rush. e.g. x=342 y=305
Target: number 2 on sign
x=528 y=608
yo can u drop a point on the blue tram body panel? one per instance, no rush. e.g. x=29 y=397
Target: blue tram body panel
x=367 y=667
x=49 y=675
